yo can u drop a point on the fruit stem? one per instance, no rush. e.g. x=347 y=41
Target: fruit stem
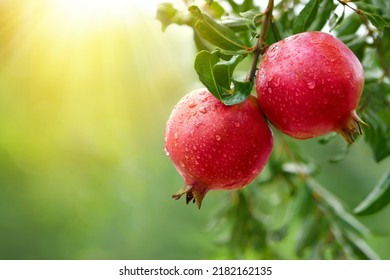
x=261 y=45
x=352 y=126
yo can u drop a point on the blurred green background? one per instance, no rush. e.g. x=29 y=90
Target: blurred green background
x=84 y=97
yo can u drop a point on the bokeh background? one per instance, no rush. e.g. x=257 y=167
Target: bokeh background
x=85 y=90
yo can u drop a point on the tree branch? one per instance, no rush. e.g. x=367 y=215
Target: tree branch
x=261 y=45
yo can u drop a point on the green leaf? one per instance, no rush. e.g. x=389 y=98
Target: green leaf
x=223 y=70
x=166 y=14
x=251 y=17
x=345 y=219
x=217 y=34
x=358 y=45
x=376 y=113
x=235 y=24
x=338 y=20
x=374 y=14
x=216 y=9
x=204 y=66
x=308 y=234
x=217 y=75
x=342 y=240
x=377 y=134
x=306 y=17
x=360 y=247
x=377 y=199
x=324 y=10
x=349 y=26
x=378 y=21
x=240 y=93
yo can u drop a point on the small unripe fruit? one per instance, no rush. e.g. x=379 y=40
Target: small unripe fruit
x=214 y=146
x=310 y=84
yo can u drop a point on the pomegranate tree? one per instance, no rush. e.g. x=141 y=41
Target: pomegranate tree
x=214 y=146
x=310 y=84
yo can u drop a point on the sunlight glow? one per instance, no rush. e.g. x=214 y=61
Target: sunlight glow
x=91 y=12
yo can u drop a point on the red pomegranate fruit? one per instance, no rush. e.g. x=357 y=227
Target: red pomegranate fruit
x=214 y=146
x=310 y=84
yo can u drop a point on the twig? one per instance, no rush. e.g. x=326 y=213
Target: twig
x=261 y=45
x=358 y=11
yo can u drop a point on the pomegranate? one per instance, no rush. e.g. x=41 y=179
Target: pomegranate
x=310 y=84
x=214 y=146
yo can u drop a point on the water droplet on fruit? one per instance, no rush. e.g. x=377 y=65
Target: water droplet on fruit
x=203 y=110
x=198 y=156
x=270 y=77
x=176 y=135
x=182 y=164
x=198 y=124
x=192 y=104
x=196 y=162
x=194 y=148
x=276 y=82
x=311 y=85
x=237 y=124
x=166 y=151
x=269 y=90
x=218 y=137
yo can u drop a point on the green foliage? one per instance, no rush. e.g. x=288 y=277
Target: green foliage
x=376 y=112
x=377 y=199
x=305 y=17
x=320 y=223
x=216 y=75
x=217 y=34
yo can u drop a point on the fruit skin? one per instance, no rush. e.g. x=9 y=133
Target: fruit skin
x=309 y=84
x=214 y=146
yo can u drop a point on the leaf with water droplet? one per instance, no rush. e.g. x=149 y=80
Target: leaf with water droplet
x=241 y=91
